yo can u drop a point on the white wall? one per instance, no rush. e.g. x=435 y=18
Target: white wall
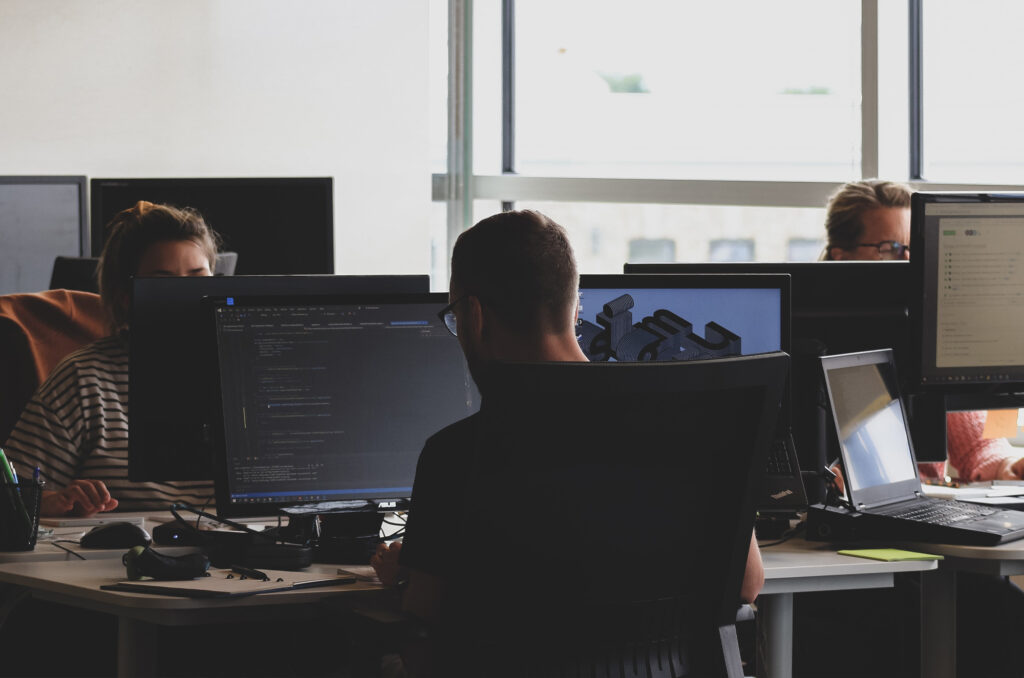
x=147 y=88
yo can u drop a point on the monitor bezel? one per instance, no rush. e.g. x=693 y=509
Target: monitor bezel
x=221 y=491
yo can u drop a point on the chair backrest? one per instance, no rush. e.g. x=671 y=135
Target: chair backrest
x=610 y=505
x=79 y=273
x=36 y=332
x=75 y=273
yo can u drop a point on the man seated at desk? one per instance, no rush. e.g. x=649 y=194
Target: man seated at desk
x=514 y=296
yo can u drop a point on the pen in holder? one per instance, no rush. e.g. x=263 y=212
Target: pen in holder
x=19 y=514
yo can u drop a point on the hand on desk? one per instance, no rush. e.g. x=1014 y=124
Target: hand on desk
x=385 y=562
x=1011 y=469
x=81 y=498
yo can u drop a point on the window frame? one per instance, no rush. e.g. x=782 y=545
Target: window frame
x=459 y=187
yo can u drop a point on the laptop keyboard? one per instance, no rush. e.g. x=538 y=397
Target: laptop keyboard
x=936 y=512
x=778 y=459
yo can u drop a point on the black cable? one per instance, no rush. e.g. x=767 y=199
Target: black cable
x=787 y=535
x=65 y=548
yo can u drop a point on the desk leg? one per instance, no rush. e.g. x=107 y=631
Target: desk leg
x=775 y=617
x=136 y=648
x=938 y=623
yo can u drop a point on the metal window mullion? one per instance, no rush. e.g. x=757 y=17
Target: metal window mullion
x=869 y=88
x=916 y=82
x=459 y=184
x=508 y=92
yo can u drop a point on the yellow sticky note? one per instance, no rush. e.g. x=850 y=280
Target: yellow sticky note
x=1000 y=424
x=889 y=554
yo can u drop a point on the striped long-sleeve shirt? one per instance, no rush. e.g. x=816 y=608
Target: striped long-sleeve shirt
x=76 y=426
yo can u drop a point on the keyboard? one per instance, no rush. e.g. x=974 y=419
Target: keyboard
x=935 y=511
x=778 y=459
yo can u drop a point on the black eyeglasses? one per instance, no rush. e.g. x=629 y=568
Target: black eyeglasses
x=887 y=249
x=447 y=316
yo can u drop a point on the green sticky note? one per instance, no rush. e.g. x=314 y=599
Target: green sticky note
x=889 y=554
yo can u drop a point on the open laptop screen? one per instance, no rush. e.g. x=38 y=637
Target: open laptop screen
x=869 y=420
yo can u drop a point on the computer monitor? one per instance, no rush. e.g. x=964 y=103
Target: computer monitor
x=629 y=318
x=172 y=359
x=278 y=226
x=331 y=398
x=968 y=261
x=41 y=217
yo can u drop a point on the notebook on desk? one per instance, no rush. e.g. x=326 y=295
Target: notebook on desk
x=880 y=470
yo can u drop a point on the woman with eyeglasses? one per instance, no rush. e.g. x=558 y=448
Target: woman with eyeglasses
x=868 y=220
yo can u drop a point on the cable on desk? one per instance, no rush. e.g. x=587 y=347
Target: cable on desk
x=787 y=535
x=65 y=548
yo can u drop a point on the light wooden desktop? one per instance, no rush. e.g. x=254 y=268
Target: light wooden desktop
x=77 y=583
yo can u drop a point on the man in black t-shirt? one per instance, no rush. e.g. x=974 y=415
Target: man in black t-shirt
x=514 y=297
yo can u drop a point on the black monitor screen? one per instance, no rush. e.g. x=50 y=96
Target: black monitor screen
x=968 y=251
x=172 y=354
x=332 y=400
x=276 y=225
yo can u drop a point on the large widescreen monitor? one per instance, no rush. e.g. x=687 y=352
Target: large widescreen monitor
x=41 y=218
x=331 y=399
x=968 y=259
x=278 y=226
x=172 y=359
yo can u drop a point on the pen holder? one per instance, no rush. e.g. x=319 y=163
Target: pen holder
x=19 y=515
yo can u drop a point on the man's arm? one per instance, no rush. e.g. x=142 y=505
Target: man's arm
x=753 y=576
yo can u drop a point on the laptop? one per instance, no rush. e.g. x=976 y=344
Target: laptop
x=879 y=467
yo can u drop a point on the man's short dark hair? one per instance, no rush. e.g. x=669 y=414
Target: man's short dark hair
x=521 y=266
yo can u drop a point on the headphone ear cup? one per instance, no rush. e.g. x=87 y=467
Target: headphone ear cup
x=145 y=562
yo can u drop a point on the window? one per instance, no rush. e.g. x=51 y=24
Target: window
x=737 y=90
x=973 y=95
x=653 y=129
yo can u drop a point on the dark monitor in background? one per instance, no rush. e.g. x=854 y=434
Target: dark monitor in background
x=172 y=361
x=41 y=217
x=80 y=273
x=278 y=226
x=330 y=399
x=837 y=307
x=968 y=262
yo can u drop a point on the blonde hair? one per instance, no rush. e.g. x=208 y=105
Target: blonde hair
x=847 y=205
x=129 y=235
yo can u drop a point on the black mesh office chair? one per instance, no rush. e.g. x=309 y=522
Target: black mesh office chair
x=79 y=273
x=608 y=519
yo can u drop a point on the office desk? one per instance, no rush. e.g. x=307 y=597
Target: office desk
x=799 y=566
x=938 y=596
x=76 y=583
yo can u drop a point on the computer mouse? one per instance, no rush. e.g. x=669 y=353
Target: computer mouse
x=117 y=535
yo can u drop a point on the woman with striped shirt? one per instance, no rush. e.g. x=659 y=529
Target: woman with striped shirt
x=75 y=427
